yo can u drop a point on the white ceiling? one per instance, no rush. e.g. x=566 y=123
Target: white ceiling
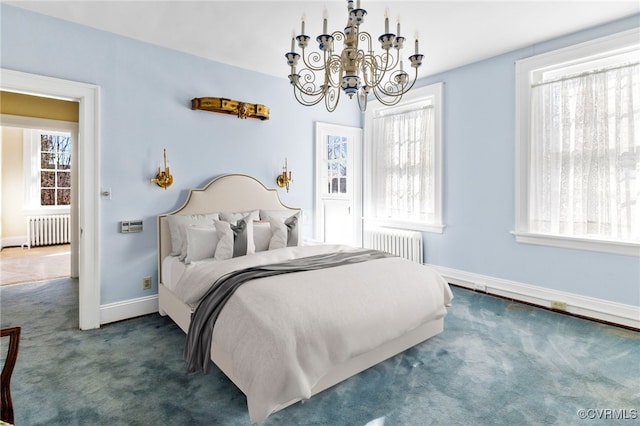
x=256 y=35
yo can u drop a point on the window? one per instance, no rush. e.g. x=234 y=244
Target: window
x=55 y=169
x=336 y=164
x=47 y=157
x=404 y=161
x=579 y=146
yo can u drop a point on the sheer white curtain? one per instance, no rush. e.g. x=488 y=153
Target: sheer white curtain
x=403 y=166
x=584 y=159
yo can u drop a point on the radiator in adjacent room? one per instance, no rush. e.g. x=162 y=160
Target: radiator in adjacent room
x=401 y=242
x=48 y=230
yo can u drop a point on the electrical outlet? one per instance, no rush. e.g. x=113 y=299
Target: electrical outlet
x=146 y=283
x=558 y=305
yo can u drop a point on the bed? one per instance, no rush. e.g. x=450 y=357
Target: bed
x=271 y=338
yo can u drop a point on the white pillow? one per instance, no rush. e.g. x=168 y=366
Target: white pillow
x=233 y=218
x=201 y=243
x=261 y=235
x=294 y=235
x=224 y=249
x=278 y=233
x=176 y=221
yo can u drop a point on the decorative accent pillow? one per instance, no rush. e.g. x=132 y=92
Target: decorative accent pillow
x=291 y=220
x=234 y=240
x=178 y=221
x=278 y=233
x=201 y=243
x=235 y=217
x=261 y=235
x=224 y=249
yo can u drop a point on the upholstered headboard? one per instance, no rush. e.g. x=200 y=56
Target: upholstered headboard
x=227 y=193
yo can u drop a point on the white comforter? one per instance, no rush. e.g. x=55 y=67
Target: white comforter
x=285 y=332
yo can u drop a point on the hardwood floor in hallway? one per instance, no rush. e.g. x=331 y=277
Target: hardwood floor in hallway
x=22 y=265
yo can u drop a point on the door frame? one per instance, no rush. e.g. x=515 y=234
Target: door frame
x=88 y=97
x=355 y=134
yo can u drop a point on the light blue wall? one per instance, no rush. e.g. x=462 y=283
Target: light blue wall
x=146 y=94
x=479 y=187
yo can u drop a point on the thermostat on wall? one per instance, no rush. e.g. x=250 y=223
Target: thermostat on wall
x=129 y=226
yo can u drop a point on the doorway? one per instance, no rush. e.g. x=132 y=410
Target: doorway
x=39 y=190
x=87 y=95
x=338 y=184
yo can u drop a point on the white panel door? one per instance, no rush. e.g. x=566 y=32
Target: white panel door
x=338 y=184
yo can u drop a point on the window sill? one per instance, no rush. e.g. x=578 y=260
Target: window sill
x=578 y=243
x=412 y=226
x=36 y=211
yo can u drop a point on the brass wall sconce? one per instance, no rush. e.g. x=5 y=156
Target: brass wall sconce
x=284 y=179
x=163 y=179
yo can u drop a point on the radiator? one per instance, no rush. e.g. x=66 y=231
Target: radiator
x=48 y=230
x=401 y=242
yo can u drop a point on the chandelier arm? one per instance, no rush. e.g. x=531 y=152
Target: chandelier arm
x=365 y=36
x=384 y=100
x=333 y=66
x=331 y=99
x=310 y=59
x=309 y=86
x=405 y=87
x=382 y=64
x=369 y=61
x=298 y=94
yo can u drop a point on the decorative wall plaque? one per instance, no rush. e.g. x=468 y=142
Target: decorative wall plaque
x=229 y=106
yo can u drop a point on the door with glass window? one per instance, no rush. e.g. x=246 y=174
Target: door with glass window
x=338 y=184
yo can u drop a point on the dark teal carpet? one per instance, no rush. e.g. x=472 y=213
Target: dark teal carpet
x=497 y=363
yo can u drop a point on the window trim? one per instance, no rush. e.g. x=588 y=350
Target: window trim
x=524 y=69
x=434 y=92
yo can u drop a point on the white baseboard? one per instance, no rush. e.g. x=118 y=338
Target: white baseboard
x=599 y=309
x=127 y=309
x=14 y=241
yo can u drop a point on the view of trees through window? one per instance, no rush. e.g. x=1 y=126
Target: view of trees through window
x=337 y=164
x=55 y=169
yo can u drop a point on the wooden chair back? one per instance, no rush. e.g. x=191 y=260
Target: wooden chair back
x=6 y=405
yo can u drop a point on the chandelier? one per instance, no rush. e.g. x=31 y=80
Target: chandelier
x=355 y=70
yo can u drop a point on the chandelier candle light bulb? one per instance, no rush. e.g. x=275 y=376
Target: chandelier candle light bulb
x=324 y=21
x=386 y=21
x=356 y=69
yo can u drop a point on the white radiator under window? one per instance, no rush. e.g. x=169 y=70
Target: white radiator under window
x=48 y=230
x=401 y=242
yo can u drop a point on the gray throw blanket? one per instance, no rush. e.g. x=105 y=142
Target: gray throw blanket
x=198 y=344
